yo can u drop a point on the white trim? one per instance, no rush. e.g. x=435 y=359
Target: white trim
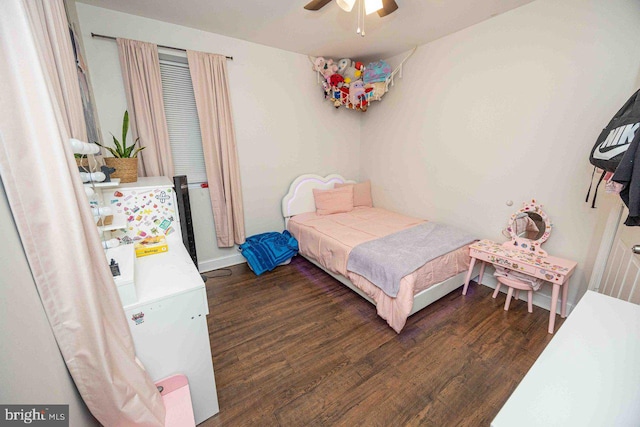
x=216 y=263
x=608 y=237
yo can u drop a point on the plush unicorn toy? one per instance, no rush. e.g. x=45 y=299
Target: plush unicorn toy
x=347 y=68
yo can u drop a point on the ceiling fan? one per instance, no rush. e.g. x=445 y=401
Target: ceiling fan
x=387 y=6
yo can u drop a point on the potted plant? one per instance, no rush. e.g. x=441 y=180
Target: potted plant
x=125 y=157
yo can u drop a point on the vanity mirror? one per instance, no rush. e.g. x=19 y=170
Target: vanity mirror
x=529 y=228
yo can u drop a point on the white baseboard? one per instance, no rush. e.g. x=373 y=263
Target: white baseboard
x=216 y=263
x=539 y=299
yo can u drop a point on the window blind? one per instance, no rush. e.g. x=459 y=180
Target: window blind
x=182 y=121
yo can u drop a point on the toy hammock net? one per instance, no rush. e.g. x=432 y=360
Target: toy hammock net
x=352 y=85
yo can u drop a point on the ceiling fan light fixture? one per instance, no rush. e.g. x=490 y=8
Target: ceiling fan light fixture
x=370 y=6
x=346 y=5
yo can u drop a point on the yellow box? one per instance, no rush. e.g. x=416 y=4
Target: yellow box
x=150 y=246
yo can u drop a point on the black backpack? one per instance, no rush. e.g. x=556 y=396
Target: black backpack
x=615 y=139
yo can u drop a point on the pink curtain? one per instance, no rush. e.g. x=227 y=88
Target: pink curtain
x=140 y=66
x=211 y=89
x=52 y=215
x=48 y=22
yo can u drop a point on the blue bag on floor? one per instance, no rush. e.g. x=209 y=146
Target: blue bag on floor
x=266 y=251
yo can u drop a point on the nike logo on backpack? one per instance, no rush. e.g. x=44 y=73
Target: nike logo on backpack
x=617 y=142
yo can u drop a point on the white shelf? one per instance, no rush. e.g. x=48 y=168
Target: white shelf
x=115 y=182
x=148 y=182
x=119 y=222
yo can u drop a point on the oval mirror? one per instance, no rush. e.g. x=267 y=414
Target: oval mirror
x=529 y=228
x=529 y=225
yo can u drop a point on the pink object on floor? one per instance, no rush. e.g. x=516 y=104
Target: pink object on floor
x=518 y=286
x=177 y=401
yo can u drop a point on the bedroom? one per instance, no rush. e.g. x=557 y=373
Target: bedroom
x=452 y=141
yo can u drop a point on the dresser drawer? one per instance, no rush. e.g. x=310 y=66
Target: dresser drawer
x=513 y=264
x=504 y=262
x=549 y=268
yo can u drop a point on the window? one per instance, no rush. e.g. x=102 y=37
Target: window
x=182 y=118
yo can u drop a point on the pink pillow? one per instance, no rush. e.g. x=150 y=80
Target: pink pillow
x=332 y=201
x=361 y=193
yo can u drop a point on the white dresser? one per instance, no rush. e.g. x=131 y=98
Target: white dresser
x=589 y=374
x=169 y=323
x=163 y=295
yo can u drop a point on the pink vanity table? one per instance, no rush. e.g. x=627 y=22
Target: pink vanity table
x=525 y=256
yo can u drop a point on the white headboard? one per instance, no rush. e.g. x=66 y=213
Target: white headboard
x=299 y=198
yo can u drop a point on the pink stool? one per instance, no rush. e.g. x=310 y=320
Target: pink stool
x=518 y=286
x=177 y=401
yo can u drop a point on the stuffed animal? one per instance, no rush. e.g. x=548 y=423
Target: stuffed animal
x=356 y=90
x=331 y=66
x=359 y=70
x=347 y=68
x=336 y=80
x=376 y=72
x=318 y=64
x=343 y=64
x=107 y=171
x=326 y=89
x=326 y=67
x=329 y=69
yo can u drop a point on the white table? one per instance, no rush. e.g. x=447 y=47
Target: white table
x=589 y=374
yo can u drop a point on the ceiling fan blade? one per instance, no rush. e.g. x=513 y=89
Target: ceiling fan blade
x=316 y=4
x=388 y=7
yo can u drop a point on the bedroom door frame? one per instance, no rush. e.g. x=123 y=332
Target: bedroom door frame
x=606 y=246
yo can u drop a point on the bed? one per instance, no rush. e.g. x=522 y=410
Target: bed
x=327 y=241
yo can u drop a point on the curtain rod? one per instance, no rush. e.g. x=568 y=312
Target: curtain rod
x=101 y=36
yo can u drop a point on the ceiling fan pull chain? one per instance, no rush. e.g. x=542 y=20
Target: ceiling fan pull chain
x=363 y=16
x=358 y=30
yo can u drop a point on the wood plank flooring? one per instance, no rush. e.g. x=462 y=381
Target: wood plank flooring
x=294 y=347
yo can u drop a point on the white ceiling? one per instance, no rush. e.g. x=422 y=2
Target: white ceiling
x=329 y=32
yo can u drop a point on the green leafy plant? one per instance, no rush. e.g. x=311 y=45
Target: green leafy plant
x=122 y=150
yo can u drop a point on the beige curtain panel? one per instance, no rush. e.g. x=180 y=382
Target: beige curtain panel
x=211 y=89
x=140 y=67
x=53 y=218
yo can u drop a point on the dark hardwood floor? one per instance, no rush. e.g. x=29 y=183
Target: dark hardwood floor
x=294 y=347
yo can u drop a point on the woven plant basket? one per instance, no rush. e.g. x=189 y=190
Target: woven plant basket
x=126 y=169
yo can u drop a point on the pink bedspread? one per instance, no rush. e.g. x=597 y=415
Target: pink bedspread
x=328 y=239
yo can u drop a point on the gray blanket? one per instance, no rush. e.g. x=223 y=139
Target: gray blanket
x=385 y=261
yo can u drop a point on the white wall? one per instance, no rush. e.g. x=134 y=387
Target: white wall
x=283 y=126
x=504 y=110
x=507 y=110
x=32 y=370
